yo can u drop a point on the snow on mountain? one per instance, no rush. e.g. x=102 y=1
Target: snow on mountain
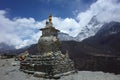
x=65 y=37
x=89 y=30
x=93 y=27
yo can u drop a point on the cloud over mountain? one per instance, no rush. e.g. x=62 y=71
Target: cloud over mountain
x=104 y=10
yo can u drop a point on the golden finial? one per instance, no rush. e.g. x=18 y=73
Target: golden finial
x=50 y=18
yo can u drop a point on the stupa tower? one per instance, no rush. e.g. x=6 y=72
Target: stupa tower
x=49 y=41
x=49 y=61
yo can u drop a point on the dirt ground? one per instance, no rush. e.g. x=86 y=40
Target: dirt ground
x=9 y=70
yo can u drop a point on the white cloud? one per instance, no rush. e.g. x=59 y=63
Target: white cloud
x=104 y=10
x=67 y=25
x=21 y=32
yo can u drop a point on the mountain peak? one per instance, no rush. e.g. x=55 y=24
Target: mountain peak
x=90 y=29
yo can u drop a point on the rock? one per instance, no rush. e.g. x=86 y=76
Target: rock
x=14 y=64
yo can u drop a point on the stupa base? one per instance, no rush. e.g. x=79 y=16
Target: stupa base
x=52 y=66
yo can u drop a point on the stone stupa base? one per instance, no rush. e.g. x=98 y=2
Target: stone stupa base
x=50 y=65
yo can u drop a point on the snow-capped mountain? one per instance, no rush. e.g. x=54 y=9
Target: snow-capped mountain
x=89 y=30
x=64 y=37
x=107 y=38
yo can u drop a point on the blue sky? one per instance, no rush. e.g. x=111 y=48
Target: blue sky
x=39 y=9
x=20 y=20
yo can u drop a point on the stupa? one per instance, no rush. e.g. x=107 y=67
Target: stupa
x=49 y=62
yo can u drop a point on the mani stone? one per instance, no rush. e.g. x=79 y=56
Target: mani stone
x=49 y=62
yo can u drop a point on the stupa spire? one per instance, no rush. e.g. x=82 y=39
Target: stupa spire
x=49 y=22
x=50 y=18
